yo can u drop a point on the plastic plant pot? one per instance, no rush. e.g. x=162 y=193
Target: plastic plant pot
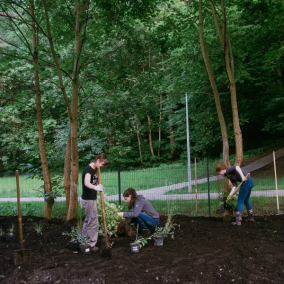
x=85 y=249
x=134 y=247
x=158 y=241
x=74 y=246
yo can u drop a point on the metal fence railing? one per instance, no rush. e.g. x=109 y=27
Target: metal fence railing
x=167 y=188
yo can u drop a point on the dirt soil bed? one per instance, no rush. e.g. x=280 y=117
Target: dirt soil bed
x=204 y=250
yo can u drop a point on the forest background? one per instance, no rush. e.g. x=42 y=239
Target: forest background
x=78 y=78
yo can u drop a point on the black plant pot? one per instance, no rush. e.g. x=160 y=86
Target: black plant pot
x=134 y=247
x=8 y=237
x=158 y=240
x=85 y=249
x=74 y=246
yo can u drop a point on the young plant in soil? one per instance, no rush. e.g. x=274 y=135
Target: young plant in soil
x=168 y=229
x=12 y=229
x=84 y=240
x=139 y=240
x=74 y=235
x=38 y=228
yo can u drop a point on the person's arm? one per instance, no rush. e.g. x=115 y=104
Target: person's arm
x=87 y=182
x=138 y=206
x=238 y=169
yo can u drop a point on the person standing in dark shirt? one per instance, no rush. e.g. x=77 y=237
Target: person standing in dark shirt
x=236 y=174
x=89 y=199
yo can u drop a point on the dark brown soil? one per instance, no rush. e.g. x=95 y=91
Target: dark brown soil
x=204 y=250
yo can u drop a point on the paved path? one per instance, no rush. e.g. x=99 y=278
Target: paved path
x=152 y=196
x=159 y=192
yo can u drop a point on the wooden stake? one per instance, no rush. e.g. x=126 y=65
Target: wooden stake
x=102 y=202
x=195 y=187
x=277 y=199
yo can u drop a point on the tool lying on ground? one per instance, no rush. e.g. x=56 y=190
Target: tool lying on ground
x=23 y=255
x=233 y=193
x=106 y=249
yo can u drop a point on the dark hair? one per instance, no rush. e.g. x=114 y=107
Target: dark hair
x=220 y=167
x=131 y=191
x=102 y=158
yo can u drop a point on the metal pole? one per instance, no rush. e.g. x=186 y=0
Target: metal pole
x=208 y=188
x=188 y=146
x=119 y=187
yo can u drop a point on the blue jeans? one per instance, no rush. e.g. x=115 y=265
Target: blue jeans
x=145 y=221
x=244 y=195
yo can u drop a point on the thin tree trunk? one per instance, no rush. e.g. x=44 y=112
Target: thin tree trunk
x=234 y=104
x=67 y=171
x=139 y=144
x=150 y=138
x=49 y=200
x=172 y=139
x=215 y=90
x=74 y=122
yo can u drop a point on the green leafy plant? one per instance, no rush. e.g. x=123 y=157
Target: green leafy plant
x=12 y=228
x=75 y=234
x=110 y=214
x=84 y=240
x=38 y=228
x=232 y=204
x=168 y=229
x=139 y=239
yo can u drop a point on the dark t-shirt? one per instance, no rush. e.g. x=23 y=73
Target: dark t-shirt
x=233 y=175
x=89 y=194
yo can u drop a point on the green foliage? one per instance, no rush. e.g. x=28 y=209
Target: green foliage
x=232 y=203
x=168 y=229
x=12 y=228
x=139 y=239
x=38 y=228
x=74 y=234
x=84 y=240
x=110 y=214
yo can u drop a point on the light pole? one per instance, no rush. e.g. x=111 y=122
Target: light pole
x=188 y=147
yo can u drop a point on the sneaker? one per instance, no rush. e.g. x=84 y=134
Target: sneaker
x=94 y=249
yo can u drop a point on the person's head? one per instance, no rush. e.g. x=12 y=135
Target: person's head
x=221 y=169
x=101 y=160
x=130 y=196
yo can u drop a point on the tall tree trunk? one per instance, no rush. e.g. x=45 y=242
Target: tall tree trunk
x=172 y=138
x=74 y=121
x=139 y=144
x=150 y=139
x=49 y=200
x=215 y=90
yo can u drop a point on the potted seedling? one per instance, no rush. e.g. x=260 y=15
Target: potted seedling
x=74 y=235
x=138 y=243
x=164 y=232
x=38 y=228
x=2 y=237
x=10 y=235
x=84 y=244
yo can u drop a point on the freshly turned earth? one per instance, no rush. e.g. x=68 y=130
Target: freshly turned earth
x=204 y=250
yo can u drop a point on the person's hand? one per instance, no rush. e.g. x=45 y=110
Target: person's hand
x=99 y=187
x=120 y=214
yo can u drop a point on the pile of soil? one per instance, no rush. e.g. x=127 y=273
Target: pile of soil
x=204 y=250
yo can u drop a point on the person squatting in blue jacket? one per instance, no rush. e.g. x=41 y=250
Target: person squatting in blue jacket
x=143 y=213
x=236 y=174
